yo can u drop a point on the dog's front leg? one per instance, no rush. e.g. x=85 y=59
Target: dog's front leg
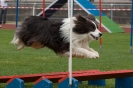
x=90 y=49
x=87 y=54
x=74 y=54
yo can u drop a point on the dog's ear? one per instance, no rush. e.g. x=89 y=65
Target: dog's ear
x=80 y=18
x=91 y=17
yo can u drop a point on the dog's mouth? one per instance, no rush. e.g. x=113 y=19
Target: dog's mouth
x=95 y=38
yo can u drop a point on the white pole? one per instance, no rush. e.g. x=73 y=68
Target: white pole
x=70 y=14
x=34 y=9
x=111 y=11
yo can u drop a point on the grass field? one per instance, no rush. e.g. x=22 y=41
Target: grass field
x=114 y=56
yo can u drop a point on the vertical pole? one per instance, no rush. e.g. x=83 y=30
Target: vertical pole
x=16 y=13
x=100 y=7
x=131 y=30
x=34 y=9
x=43 y=8
x=70 y=15
x=72 y=7
x=68 y=8
x=111 y=12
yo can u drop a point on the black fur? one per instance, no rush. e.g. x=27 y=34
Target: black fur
x=38 y=29
x=84 y=25
x=91 y=17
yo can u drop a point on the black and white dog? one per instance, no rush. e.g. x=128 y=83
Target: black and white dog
x=38 y=32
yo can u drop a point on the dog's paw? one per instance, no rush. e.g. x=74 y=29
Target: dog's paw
x=96 y=53
x=93 y=55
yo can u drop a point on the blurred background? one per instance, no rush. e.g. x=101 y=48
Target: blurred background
x=117 y=10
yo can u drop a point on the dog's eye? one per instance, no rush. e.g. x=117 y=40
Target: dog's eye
x=91 y=28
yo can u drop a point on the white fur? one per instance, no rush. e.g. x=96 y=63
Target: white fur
x=65 y=28
x=17 y=41
x=80 y=43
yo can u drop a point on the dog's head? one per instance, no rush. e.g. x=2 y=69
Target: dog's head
x=87 y=25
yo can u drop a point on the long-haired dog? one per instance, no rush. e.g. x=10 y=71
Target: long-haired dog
x=38 y=32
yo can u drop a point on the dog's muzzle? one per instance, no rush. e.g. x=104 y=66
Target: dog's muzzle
x=100 y=34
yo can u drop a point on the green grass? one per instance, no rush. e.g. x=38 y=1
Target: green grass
x=114 y=56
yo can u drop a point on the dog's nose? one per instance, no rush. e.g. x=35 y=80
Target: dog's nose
x=100 y=34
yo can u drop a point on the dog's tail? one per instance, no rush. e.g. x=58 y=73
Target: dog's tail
x=15 y=40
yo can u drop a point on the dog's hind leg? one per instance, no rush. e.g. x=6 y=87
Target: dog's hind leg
x=66 y=54
x=20 y=46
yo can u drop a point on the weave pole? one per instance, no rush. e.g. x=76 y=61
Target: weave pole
x=43 y=8
x=100 y=7
x=131 y=30
x=16 y=13
x=70 y=15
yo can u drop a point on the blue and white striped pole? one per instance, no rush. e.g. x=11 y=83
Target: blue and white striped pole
x=131 y=30
x=16 y=13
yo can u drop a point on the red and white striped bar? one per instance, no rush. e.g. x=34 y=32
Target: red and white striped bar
x=13 y=7
x=118 y=9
